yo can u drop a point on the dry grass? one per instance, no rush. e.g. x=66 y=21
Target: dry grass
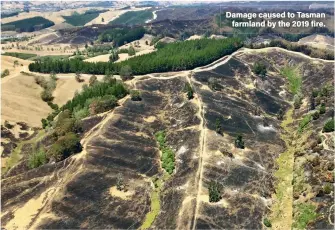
x=318 y=41
x=124 y=195
x=20 y=96
x=65 y=90
x=24 y=215
x=21 y=101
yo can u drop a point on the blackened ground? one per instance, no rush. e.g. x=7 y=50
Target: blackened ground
x=122 y=141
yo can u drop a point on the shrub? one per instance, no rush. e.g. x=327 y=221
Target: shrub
x=315 y=93
x=131 y=51
x=189 y=91
x=328 y=188
x=239 y=143
x=218 y=127
x=108 y=78
x=46 y=95
x=316 y=115
x=45 y=123
x=280 y=115
x=267 y=222
x=100 y=105
x=81 y=113
x=325 y=91
x=5 y=73
x=329 y=126
x=65 y=126
x=53 y=106
x=322 y=109
x=53 y=77
x=304 y=122
x=297 y=99
x=214 y=190
x=93 y=79
x=168 y=156
x=65 y=146
x=113 y=57
x=135 y=95
x=260 y=69
x=126 y=73
x=37 y=159
x=123 y=50
x=78 y=77
x=40 y=81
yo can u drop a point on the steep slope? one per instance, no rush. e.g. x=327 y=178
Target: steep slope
x=80 y=192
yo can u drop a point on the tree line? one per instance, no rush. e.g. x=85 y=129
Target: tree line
x=28 y=24
x=96 y=98
x=171 y=57
x=120 y=36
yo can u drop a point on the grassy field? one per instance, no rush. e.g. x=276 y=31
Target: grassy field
x=23 y=56
x=292 y=75
x=28 y=24
x=77 y=19
x=133 y=17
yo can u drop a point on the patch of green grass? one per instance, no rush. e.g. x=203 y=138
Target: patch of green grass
x=155 y=205
x=167 y=153
x=305 y=214
x=133 y=17
x=304 y=122
x=16 y=155
x=294 y=78
x=37 y=159
x=23 y=56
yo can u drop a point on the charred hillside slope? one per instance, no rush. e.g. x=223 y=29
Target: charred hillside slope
x=229 y=138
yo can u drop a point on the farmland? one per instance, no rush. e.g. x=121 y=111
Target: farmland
x=28 y=25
